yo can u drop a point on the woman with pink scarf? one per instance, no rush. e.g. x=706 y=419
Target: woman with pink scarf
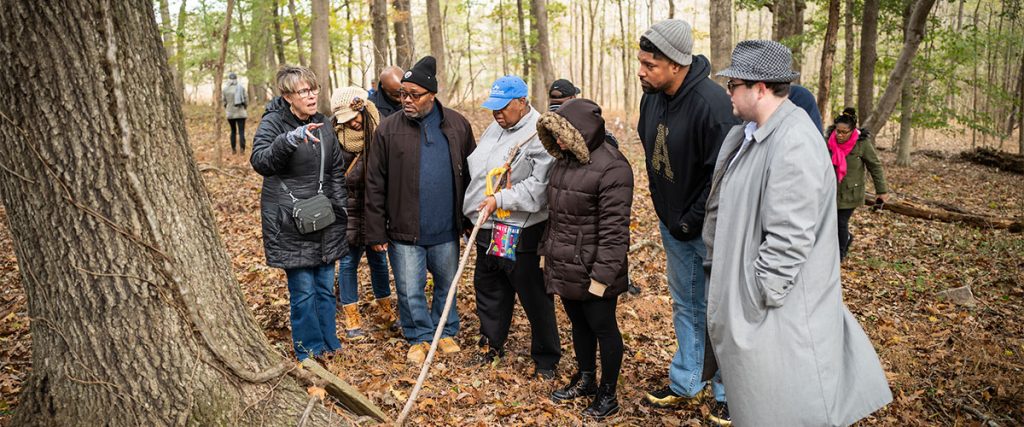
x=852 y=153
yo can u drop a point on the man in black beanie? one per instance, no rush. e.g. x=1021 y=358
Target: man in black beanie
x=415 y=185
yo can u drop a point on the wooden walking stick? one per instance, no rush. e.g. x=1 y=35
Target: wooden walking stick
x=444 y=317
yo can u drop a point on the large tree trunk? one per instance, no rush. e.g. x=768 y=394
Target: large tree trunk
x=848 y=64
x=379 y=25
x=404 y=47
x=522 y=40
x=544 y=71
x=179 y=59
x=901 y=72
x=868 y=58
x=261 y=45
x=788 y=27
x=721 y=34
x=1020 y=108
x=137 y=318
x=828 y=56
x=321 y=10
x=436 y=30
x=298 y=33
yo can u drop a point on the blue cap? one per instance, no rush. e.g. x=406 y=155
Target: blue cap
x=503 y=91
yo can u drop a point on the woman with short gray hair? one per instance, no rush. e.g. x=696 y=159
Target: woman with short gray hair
x=300 y=160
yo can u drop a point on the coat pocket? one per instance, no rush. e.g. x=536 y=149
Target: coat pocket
x=577 y=250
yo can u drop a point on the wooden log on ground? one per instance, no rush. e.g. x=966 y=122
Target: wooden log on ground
x=989 y=157
x=936 y=212
x=349 y=396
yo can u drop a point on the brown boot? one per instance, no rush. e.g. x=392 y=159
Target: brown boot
x=386 y=312
x=353 y=324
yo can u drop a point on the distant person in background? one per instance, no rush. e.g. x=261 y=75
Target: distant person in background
x=803 y=98
x=561 y=90
x=234 y=100
x=389 y=83
x=852 y=152
x=355 y=120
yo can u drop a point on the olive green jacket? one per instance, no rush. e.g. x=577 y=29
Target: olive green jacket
x=850 y=192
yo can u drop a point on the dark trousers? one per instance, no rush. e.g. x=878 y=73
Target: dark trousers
x=497 y=283
x=593 y=323
x=237 y=129
x=844 y=231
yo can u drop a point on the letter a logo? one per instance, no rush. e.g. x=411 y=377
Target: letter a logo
x=659 y=159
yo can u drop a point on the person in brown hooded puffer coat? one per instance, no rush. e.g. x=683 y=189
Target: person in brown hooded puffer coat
x=590 y=192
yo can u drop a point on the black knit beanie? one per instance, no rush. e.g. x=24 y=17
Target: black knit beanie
x=423 y=74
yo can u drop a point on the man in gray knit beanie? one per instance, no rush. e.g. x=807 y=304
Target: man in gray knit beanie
x=684 y=116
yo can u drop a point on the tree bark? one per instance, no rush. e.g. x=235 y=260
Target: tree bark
x=868 y=58
x=137 y=318
x=936 y=211
x=828 y=55
x=1020 y=108
x=671 y=9
x=592 y=17
x=1005 y=161
x=901 y=72
x=298 y=33
x=379 y=27
x=501 y=30
x=544 y=71
x=436 y=30
x=179 y=58
x=166 y=34
x=903 y=147
x=261 y=41
x=278 y=35
x=218 y=80
x=404 y=47
x=788 y=27
x=848 y=61
x=721 y=34
x=522 y=40
x=624 y=51
x=321 y=10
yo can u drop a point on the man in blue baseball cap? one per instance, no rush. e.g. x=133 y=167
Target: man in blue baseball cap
x=501 y=275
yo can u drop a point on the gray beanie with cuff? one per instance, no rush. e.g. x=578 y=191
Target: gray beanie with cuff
x=674 y=38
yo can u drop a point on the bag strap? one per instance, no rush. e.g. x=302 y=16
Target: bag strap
x=319 y=190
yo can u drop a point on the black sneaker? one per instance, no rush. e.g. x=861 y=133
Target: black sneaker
x=544 y=374
x=489 y=357
x=604 y=404
x=719 y=415
x=666 y=398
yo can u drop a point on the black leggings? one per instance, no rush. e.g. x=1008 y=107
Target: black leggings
x=844 y=231
x=239 y=125
x=594 y=322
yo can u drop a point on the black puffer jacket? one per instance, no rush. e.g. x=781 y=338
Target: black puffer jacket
x=299 y=168
x=590 y=193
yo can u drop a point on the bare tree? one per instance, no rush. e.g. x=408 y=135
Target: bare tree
x=405 y=51
x=544 y=71
x=522 y=40
x=321 y=10
x=624 y=50
x=218 y=80
x=137 y=318
x=828 y=56
x=903 y=146
x=788 y=27
x=868 y=58
x=901 y=71
x=298 y=33
x=167 y=35
x=721 y=34
x=379 y=26
x=434 y=22
x=848 y=64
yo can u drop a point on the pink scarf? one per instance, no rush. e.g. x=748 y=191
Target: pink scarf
x=839 y=152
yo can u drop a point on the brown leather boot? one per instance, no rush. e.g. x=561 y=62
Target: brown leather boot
x=353 y=323
x=386 y=317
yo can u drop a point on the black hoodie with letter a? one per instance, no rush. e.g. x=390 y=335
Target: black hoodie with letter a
x=681 y=135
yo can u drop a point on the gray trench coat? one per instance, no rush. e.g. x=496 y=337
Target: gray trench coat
x=790 y=352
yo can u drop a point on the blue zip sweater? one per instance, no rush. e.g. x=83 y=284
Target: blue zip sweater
x=437 y=188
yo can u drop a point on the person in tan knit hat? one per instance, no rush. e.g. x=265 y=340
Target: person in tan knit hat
x=355 y=119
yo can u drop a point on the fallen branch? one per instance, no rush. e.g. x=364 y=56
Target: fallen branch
x=309 y=410
x=989 y=157
x=985 y=420
x=937 y=212
x=211 y=168
x=645 y=244
x=349 y=396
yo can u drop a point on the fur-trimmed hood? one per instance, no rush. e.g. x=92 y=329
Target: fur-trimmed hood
x=578 y=123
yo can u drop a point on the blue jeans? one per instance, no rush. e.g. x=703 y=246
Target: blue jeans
x=410 y=264
x=685 y=273
x=311 y=291
x=348 y=283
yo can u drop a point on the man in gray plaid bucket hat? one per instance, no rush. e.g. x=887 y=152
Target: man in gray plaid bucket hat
x=684 y=116
x=789 y=350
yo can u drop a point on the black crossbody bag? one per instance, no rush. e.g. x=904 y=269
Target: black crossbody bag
x=314 y=213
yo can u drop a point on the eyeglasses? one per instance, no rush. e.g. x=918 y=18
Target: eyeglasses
x=730 y=85
x=411 y=95
x=307 y=92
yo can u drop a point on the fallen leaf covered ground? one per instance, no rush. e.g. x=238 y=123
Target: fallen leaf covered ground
x=947 y=364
